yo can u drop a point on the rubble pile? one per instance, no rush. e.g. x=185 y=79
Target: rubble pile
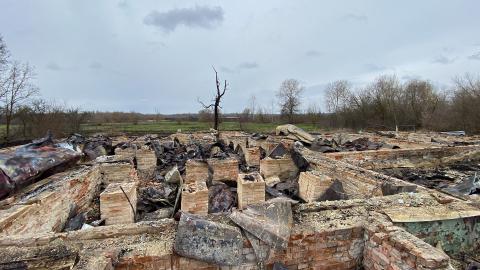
x=360 y=144
x=292 y=200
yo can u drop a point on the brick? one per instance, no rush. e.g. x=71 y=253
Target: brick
x=114 y=206
x=284 y=168
x=196 y=171
x=146 y=162
x=224 y=169
x=128 y=152
x=118 y=172
x=195 y=198
x=252 y=156
x=379 y=257
x=250 y=191
x=313 y=185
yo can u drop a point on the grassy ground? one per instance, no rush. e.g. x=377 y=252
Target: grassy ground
x=163 y=127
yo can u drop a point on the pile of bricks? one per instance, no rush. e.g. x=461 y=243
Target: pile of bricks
x=252 y=156
x=118 y=172
x=146 y=161
x=250 y=189
x=283 y=168
x=195 y=198
x=115 y=208
x=390 y=247
x=312 y=185
x=128 y=152
x=224 y=169
x=196 y=171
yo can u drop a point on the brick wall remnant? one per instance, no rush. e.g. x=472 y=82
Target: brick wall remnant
x=195 y=198
x=224 y=169
x=115 y=207
x=313 y=185
x=250 y=189
x=196 y=171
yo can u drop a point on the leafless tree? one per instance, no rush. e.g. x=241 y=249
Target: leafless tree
x=289 y=96
x=4 y=55
x=337 y=97
x=17 y=89
x=253 y=108
x=205 y=115
x=313 y=114
x=216 y=101
x=420 y=100
x=465 y=100
x=386 y=91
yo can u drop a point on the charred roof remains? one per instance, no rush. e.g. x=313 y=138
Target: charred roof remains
x=292 y=200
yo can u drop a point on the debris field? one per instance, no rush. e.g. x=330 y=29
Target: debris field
x=233 y=200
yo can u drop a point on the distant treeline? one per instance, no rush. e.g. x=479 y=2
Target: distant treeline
x=387 y=103
x=384 y=104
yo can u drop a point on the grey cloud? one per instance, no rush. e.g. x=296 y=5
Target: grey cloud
x=247 y=65
x=123 y=4
x=226 y=69
x=442 y=59
x=475 y=56
x=54 y=66
x=198 y=16
x=313 y=53
x=95 y=65
x=355 y=17
x=240 y=67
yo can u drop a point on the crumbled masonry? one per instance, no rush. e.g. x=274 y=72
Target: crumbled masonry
x=234 y=200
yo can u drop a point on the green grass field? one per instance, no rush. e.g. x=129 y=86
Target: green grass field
x=165 y=127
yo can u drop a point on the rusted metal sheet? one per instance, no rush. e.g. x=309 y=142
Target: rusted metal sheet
x=26 y=164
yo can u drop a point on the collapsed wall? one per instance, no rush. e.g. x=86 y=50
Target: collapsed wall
x=364 y=219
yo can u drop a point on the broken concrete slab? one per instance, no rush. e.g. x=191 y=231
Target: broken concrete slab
x=270 y=222
x=173 y=176
x=278 y=151
x=24 y=165
x=208 y=241
x=295 y=133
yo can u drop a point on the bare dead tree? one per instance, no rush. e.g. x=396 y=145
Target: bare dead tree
x=337 y=95
x=4 y=59
x=4 y=54
x=216 y=101
x=289 y=96
x=17 y=89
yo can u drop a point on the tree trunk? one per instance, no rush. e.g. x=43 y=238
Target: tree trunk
x=215 y=124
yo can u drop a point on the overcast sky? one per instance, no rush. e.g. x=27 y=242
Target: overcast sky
x=155 y=55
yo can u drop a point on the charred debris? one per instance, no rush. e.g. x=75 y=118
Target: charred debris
x=225 y=189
